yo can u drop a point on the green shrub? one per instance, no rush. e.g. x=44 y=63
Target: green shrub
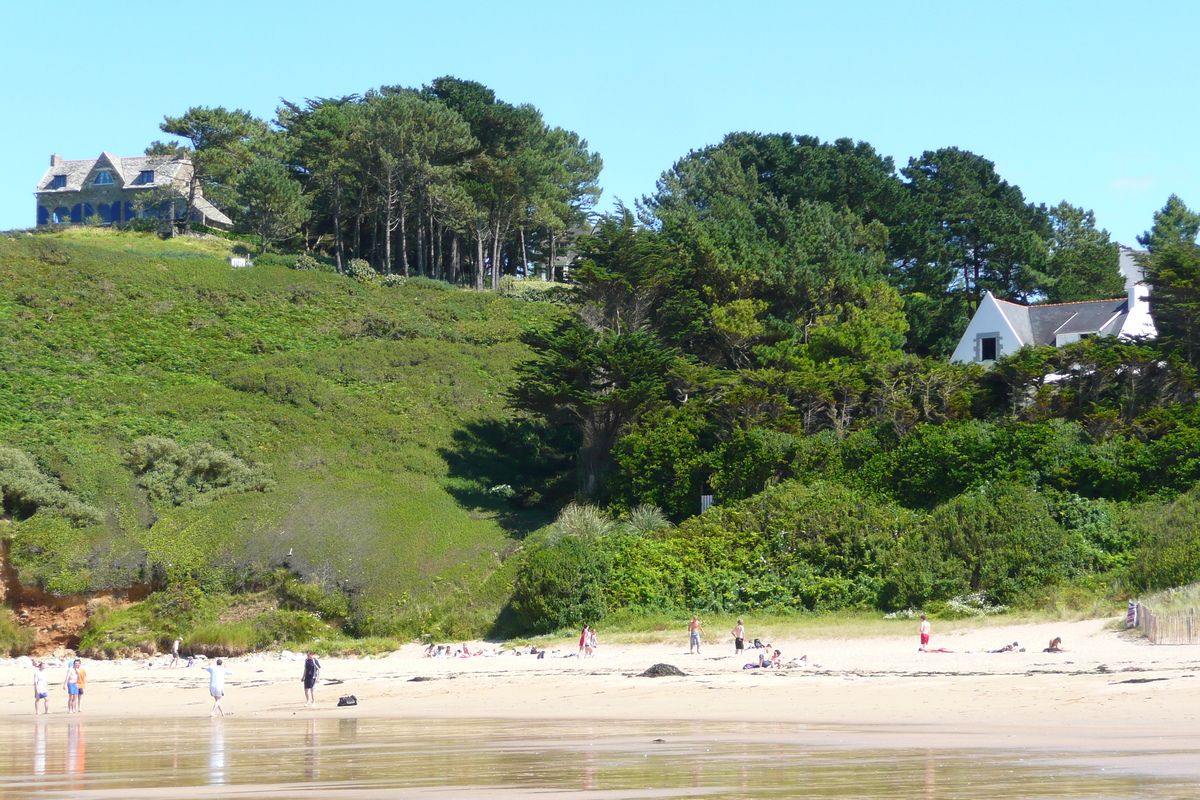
x=25 y=490
x=535 y=289
x=1000 y=540
x=361 y=271
x=562 y=586
x=14 y=639
x=308 y=262
x=181 y=476
x=421 y=282
x=1169 y=536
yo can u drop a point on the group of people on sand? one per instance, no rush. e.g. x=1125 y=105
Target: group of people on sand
x=771 y=658
x=73 y=681
x=76 y=678
x=587 y=642
x=926 y=631
x=447 y=651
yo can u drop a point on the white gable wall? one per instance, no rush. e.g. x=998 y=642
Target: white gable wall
x=988 y=320
x=1139 y=322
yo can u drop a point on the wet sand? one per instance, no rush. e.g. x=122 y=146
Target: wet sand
x=1111 y=691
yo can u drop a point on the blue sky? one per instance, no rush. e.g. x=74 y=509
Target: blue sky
x=1092 y=102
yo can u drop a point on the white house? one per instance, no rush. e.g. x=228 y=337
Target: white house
x=1000 y=328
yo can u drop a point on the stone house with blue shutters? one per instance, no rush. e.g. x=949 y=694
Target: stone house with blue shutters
x=111 y=189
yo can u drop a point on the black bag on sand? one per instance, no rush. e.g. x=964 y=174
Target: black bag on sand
x=348 y=700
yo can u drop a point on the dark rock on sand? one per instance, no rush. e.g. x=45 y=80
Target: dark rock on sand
x=663 y=671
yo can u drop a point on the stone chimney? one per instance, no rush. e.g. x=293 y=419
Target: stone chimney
x=55 y=160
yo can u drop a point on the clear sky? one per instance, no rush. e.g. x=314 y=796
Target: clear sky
x=1095 y=103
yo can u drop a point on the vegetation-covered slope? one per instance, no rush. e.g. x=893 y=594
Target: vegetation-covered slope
x=300 y=419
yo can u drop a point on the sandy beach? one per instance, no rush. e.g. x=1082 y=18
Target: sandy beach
x=1110 y=690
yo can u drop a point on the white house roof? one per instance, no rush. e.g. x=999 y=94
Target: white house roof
x=125 y=172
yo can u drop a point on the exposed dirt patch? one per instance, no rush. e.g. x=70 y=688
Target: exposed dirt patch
x=57 y=621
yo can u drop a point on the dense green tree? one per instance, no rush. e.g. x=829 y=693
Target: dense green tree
x=971 y=231
x=1084 y=264
x=1175 y=223
x=407 y=143
x=319 y=141
x=272 y=204
x=1173 y=272
x=600 y=381
x=223 y=144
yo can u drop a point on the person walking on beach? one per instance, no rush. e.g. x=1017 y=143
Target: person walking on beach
x=739 y=638
x=41 y=688
x=216 y=686
x=175 y=650
x=589 y=647
x=312 y=670
x=695 y=631
x=926 y=628
x=583 y=637
x=71 y=684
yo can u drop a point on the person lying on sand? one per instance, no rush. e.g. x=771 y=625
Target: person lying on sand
x=1008 y=648
x=1055 y=646
x=764 y=662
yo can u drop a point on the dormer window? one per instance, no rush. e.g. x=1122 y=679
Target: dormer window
x=60 y=182
x=146 y=176
x=103 y=178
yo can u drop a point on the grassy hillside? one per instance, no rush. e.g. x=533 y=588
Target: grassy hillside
x=351 y=402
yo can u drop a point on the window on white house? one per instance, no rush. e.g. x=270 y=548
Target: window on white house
x=60 y=182
x=103 y=178
x=987 y=348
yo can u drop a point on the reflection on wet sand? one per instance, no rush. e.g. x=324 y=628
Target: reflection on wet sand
x=216 y=753
x=355 y=758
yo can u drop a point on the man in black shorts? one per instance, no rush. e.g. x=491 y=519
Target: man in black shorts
x=312 y=669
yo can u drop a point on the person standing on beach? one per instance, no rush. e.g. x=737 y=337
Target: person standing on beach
x=312 y=670
x=216 y=686
x=175 y=650
x=81 y=674
x=41 y=688
x=695 y=631
x=926 y=628
x=71 y=684
x=739 y=638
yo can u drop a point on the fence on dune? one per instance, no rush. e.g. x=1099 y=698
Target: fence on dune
x=1169 y=627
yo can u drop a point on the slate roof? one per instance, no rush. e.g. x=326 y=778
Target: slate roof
x=1040 y=324
x=125 y=172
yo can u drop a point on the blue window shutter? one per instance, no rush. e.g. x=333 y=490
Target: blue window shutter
x=77 y=212
x=105 y=213
x=128 y=211
x=88 y=211
x=43 y=215
x=62 y=215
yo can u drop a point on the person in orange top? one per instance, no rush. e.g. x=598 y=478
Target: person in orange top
x=82 y=679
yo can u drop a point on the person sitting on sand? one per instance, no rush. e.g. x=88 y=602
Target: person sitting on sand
x=1055 y=646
